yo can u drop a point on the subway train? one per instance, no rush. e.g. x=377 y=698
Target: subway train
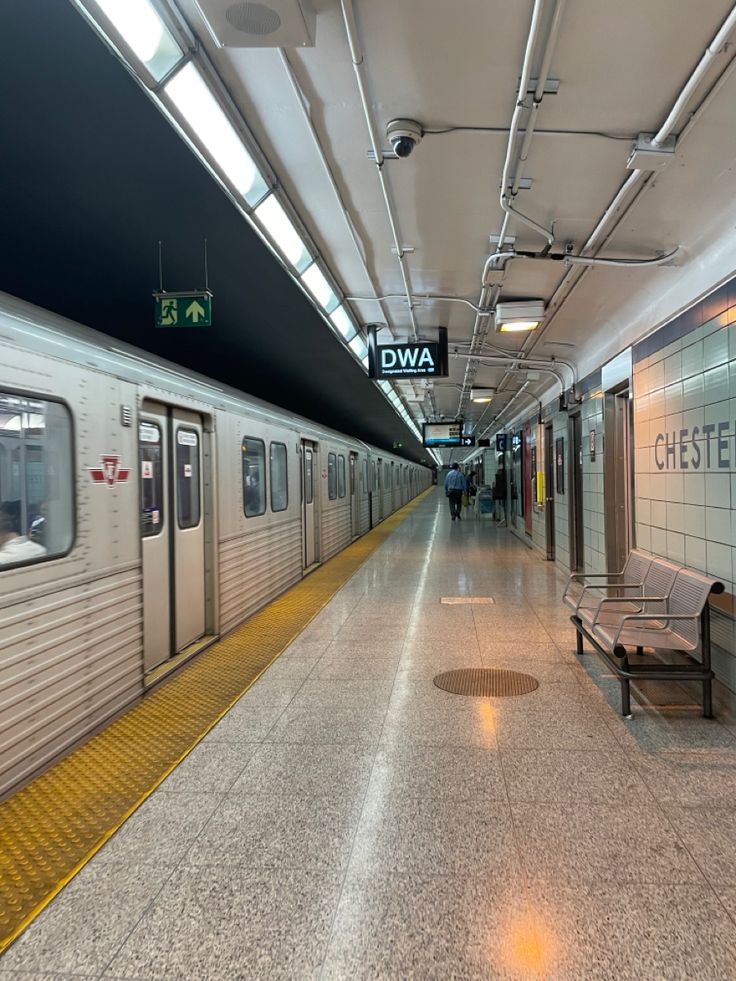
x=144 y=511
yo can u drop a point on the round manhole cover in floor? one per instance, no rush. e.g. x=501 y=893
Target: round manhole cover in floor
x=495 y=682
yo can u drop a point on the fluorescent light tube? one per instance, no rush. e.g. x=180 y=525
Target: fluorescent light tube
x=143 y=31
x=341 y=319
x=357 y=345
x=279 y=226
x=210 y=127
x=316 y=282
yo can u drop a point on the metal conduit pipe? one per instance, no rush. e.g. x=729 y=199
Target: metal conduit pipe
x=505 y=197
x=517 y=365
x=499 y=415
x=306 y=112
x=480 y=329
x=637 y=180
x=506 y=355
x=421 y=296
x=356 y=55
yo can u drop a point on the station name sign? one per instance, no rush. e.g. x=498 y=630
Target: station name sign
x=708 y=447
x=420 y=359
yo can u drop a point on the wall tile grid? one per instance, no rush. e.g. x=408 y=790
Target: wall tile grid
x=685 y=460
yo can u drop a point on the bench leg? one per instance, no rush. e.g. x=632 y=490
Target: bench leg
x=705 y=648
x=640 y=651
x=579 y=642
x=626 y=698
x=708 y=699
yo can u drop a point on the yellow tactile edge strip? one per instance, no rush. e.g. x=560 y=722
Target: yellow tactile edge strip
x=52 y=827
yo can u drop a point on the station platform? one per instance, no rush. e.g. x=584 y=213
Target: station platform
x=349 y=819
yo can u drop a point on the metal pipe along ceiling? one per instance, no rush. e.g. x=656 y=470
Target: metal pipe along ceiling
x=489 y=296
x=356 y=54
x=638 y=179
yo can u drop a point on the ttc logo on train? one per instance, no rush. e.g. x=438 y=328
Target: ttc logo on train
x=110 y=472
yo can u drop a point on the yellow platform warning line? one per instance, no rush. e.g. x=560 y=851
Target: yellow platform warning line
x=56 y=823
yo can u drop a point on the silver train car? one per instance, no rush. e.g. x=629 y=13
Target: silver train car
x=144 y=511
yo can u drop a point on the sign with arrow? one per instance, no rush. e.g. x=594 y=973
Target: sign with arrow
x=192 y=308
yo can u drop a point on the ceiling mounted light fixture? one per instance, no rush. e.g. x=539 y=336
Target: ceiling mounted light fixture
x=482 y=394
x=520 y=315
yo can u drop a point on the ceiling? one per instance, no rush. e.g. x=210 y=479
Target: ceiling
x=97 y=176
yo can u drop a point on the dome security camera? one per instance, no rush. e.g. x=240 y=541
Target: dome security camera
x=404 y=135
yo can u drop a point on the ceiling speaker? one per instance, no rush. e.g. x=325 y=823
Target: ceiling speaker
x=269 y=24
x=253 y=18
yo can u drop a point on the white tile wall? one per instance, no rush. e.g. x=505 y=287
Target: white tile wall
x=686 y=502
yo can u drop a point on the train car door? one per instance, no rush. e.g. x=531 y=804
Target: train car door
x=354 y=496
x=172 y=530
x=310 y=483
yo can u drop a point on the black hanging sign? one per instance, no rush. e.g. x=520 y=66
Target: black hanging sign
x=421 y=359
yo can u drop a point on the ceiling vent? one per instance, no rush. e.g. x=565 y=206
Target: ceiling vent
x=273 y=24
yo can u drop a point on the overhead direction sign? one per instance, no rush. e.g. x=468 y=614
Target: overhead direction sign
x=193 y=308
x=418 y=359
x=446 y=434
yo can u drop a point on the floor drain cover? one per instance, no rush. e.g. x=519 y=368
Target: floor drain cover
x=486 y=681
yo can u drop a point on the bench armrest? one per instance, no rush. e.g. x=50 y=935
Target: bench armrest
x=628 y=585
x=639 y=599
x=652 y=616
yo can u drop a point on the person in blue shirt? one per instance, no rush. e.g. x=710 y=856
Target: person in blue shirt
x=455 y=487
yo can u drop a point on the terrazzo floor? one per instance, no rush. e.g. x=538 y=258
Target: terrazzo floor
x=348 y=820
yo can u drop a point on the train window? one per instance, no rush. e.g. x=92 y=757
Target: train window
x=188 y=503
x=279 y=477
x=364 y=476
x=151 y=479
x=341 y=476
x=331 y=476
x=254 y=477
x=36 y=480
x=375 y=475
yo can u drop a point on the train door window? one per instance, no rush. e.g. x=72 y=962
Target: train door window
x=364 y=476
x=253 y=452
x=37 y=480
x=375 y=475
x=308 y=477
x=279 y=477
x=331 y=476
x=341 y=476
x=151 y=479
x=187 y=478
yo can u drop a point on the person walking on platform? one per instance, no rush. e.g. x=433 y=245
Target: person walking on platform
x=455 y=487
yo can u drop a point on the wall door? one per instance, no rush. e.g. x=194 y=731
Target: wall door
x=310 y=483
x=529 y=476
x=575 y=496
x=617 y=424
x=549 y=491
x=354 y=495
x=172 y=530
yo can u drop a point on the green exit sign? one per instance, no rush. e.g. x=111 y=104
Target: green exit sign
x=183 y=309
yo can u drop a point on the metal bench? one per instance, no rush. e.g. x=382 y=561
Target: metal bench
x=650 y=597
x=673 y=619
x=585 y=590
